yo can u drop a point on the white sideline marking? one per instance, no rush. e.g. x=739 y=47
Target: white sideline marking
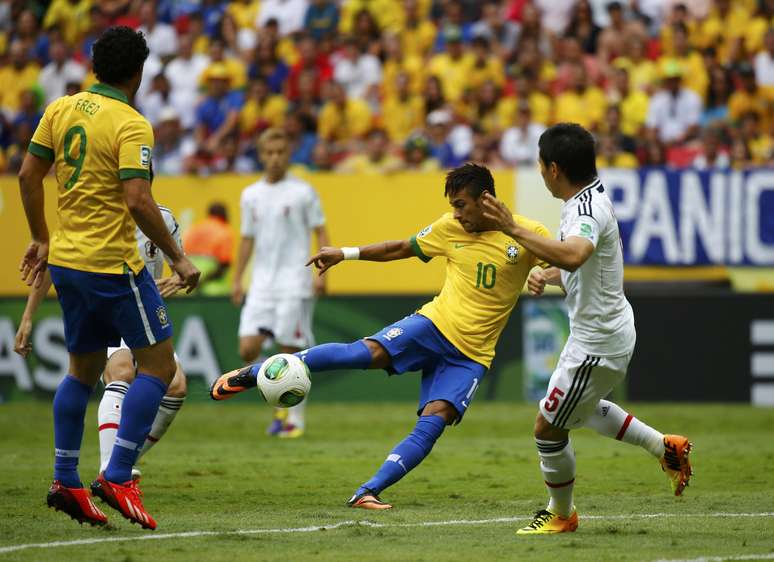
x=765 y=556
x=367 y=523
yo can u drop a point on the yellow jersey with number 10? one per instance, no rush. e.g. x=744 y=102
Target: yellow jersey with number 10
x=485 y=274
x=96 y=140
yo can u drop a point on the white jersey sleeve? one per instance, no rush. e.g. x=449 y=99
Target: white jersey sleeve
x=248 y=217
x=150 y=253
x=601 y=319
x=314 y=212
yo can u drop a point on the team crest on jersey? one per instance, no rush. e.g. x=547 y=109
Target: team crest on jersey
x=150 y=249
x=161 y=314
x=393 y=333
x=145 y=156
x=512 y=253
x=425 y=231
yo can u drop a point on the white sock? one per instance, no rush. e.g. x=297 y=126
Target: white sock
x=611 y=420
x=557 y=461
x=168 y=409
x=108 y=418
x=296 y=415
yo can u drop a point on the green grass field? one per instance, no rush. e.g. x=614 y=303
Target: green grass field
x=217 y=472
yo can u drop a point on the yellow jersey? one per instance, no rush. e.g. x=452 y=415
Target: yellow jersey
x=96 y=140
x=485 y=274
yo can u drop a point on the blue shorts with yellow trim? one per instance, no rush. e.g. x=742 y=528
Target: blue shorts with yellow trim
x=415 y=344
x=101 y=308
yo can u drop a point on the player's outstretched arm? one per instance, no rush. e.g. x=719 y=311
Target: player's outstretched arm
x=146 y=214
x=383 y=251
x=567 y=254
x=22 y=344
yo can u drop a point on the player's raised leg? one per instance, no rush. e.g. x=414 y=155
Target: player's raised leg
x=67 y=493
x=672 y=451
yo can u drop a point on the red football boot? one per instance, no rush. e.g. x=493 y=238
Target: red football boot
x=75 y=502
x=124 y=498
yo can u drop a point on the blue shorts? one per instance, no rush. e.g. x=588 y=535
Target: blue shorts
x=415 y=344
x=101 y=308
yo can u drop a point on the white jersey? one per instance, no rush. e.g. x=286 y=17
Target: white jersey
x=149 y=252
x=601 y=319
x=280 y=217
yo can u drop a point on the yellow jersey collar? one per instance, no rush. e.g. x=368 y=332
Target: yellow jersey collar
x=109 y=91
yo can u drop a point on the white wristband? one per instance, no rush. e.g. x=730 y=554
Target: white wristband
x=351 y=253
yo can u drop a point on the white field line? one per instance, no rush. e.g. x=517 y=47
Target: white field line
x=366 y=523
x=765 y=556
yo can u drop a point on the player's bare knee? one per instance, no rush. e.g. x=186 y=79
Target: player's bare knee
x=248 y=351
x=120 y=367
x=547 y=432
x=379 y=356
x=442 y=409
x=178 y=388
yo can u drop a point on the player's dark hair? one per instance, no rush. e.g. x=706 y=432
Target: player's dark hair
x=218 y=209
x=471 y=177
x=118 y=55
x=571 y=148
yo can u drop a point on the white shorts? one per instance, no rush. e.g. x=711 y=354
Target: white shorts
x=122 y=345
x=577 y=385
x=286 y=321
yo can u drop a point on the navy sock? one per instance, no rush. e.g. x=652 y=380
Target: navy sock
x=330 y=356
x=407 y=454
x=70 y=402
x=140 y=406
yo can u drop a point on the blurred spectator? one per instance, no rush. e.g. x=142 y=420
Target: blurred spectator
x=17 y=76
x=758 y=26
x=433 y=94
x=71 y=17
x=235 y=68
x=322 y=157
x=519 y=143
x=555 y=14
x=210 y=245
x=288 y=13
x=712 y=156
x=719 y=90
x=359 y=72
x=417 y=32
x=764 y=65
x=449 y=144
x=618 y=33
x=366 y=31
x=268 y=65
x=653 y=153
x=262 y=109
x=756 y=138
x=741 y=157
x=243 y=13
x=500 y=33
x=452 y=26
x=341 y=119
x=395 y=62
x=633 y=103
x=184 y=72
x=161 y=37
x=572 y=57
x=583 y=28
x=310 y=62
x=159 y=97
x=540 y=105
x=580 y=103
x=15 y=153
x=690 y=61
x=484 y=150
x=308 y=103
x=172 y=147
x=376 y=159
x=674 y=111
x=484 y=66
x=643 y=72
x=98 y=23
x=612 y=126
x=491 y=112
x=724 y=28
x=27 y=32
x=611 y=155
x=416 y=155
x=402 y=112
x=153 y=66
x=301 y=138
x=55 y=75
x=321 y=19
x=218 y=115
x=452 y=67
x=748 y=98
x=29 y=113
x=382 y=12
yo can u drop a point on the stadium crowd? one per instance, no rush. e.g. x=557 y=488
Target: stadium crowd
x=374 y=86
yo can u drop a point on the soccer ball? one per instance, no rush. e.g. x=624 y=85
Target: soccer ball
x=284 y=380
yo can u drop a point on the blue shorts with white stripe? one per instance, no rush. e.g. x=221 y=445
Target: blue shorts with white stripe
x=101 y=308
